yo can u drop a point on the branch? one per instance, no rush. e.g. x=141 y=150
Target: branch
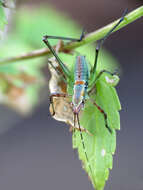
x=94 y=36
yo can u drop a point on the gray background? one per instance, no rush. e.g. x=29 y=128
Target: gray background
x=36 y=152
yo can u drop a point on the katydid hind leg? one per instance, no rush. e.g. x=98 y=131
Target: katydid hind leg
x=104 y=114
x=67 y=38
x=63 y=67
x=99 y=44
x=114 y=27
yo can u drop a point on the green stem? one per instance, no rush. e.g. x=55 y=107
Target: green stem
x=92 y=37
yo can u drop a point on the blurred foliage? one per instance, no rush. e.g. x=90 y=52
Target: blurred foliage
x=22 y=81
x=6 y=6
x=3 y=19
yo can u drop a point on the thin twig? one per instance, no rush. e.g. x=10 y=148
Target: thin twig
x=92 y=37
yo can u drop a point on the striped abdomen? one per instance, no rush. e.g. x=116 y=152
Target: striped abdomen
x=81 y=69
x=81 y=76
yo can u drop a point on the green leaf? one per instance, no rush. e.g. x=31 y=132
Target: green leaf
x=102 y=144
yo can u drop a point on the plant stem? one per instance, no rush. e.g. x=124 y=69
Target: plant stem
x=91 y=37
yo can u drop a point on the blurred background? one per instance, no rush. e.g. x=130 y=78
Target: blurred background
x=36 y=151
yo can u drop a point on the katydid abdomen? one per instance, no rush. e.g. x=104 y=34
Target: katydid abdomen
x=81 y=76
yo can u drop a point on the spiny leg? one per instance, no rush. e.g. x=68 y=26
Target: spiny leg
x=56 y=95
x=63 y=67
x=116 y=25
x=104 y=114
x=67 y=38
x=84 y=149
x=105 y=37
x=95 y=78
